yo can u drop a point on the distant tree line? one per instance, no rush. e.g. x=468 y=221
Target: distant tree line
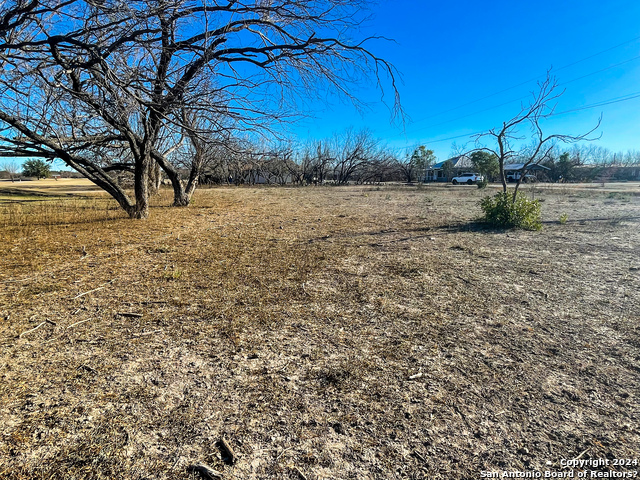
x=349 y=157
x=589 y=163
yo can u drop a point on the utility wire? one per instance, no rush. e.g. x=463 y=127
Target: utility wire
x=598 y=71
x=522 y=98
x=530 y=80
x=624 y=98
x=429 y=142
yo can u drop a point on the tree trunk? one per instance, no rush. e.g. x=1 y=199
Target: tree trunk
x=141 y=209
x=182 y=196
x=155 y=177
x=515 y=190
x=192 y=183
x=503 y=179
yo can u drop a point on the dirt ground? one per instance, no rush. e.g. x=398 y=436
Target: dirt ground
x=358 y=332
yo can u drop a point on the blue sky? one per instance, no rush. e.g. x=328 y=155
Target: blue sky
x=452 y=55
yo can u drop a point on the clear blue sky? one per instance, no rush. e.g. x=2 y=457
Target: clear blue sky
x=452 y=53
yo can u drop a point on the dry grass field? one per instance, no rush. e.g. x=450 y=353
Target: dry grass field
x=46 y=187
x=357 y=332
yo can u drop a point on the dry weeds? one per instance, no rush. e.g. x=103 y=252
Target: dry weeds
x=323 y=332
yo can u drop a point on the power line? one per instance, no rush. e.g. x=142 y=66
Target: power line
x=624 y=98
x=522 y=98
x=601 y=70
x=429 y=142
x=536 y=78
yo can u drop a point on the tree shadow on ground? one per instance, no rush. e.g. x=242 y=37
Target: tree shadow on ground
x=473 y=226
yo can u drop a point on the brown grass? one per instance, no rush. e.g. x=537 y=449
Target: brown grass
x=360 y=332
x=49 y=186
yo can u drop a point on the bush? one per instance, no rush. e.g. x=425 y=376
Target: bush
x=483 y=183
x=501 y=211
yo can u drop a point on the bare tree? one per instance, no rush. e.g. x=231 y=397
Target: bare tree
x=278 y=165
x=12 y=168
x=347 y=157
x=104 y=77
x=301 y=165
x=415 y=165
x=208 y=145
x=509 y=137
x=322 y=163
x=407 y=168
x=351 y=151
x=380 y=167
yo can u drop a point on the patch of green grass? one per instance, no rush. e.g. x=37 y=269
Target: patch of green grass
x=625 y=197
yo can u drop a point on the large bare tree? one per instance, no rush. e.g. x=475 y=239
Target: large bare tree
x=350 y=152
x=101 y=85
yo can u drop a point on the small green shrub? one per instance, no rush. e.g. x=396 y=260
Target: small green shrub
x=483 y=183
x=501 y=211
x=563 y=218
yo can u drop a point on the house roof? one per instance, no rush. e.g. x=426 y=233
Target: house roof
x=461 y=161
x=520 y=166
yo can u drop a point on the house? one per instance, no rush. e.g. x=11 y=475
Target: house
x=513 y=170
x=438 y=171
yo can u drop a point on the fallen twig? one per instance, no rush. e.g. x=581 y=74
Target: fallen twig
x=418 y=456
x=87 y=368
x=17 y=280
x=227 y=451
x=300 y=474
x=283 y=452
x=147 y=302
x=78 y=323
x=32 y=330
x=95 y=289
x=143 y=334
x=129 y=314
x=463 y=416
x=86 y=293
x=205 y=471
x=580 y=456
